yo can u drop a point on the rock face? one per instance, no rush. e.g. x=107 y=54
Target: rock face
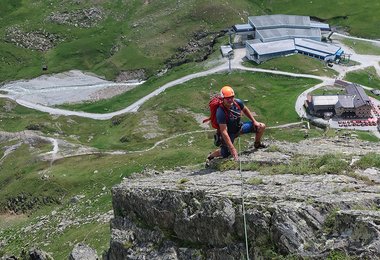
x=83 y=252
x=198 y=214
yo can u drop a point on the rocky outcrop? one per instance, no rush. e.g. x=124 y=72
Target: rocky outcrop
x=132 y=76
x=43 y=40
x=84 y=18
x=199 y=47
x=40 y=40
x=83 y=252
x=199 y=214
x=37 y=254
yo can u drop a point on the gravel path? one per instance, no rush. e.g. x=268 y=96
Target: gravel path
x=68 y=87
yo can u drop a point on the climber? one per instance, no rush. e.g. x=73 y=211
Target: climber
x=228 y=115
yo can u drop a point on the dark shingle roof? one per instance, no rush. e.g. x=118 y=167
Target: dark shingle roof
x=360 y=97
x=345 y=101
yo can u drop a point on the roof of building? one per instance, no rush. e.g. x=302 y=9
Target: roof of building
x=226 y=50
x=280 y=33
x=360 y=97
x=288 y=45
x=272 y=47
x=279 y=20
x=326 y=48
x=342 y=83
x=325 y=100
x=345 y=101
x=242 y=28
x=312 y=52
x=322 y=26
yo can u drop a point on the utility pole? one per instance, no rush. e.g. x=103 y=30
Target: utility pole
x=230 y=55
x=230 y=36
x=229 y=62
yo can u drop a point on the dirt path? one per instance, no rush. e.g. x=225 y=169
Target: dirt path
x=60 y=148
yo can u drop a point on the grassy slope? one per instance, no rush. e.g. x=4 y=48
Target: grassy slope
x=367 y=77
x=292 y=63
x=358 y=18
x=154 y=39
x=89 y=174
x=362 y=47
x=262 y=90
x=147 y=35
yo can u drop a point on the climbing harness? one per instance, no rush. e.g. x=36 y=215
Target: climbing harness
x=243 y=204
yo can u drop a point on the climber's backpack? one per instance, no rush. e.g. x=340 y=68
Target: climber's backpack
x=215 y=102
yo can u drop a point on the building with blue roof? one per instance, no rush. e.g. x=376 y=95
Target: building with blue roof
x=316 y=49
x=270 y=36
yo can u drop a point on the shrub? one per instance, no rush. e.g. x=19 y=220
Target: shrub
x=33 y=127
x=116 y=120
x=124 y=139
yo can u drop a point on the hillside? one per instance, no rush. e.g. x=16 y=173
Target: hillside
x=57 y=172
x=124 y=39
x=301 y=199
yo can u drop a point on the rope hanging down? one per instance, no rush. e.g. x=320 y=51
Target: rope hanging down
x=243 y=204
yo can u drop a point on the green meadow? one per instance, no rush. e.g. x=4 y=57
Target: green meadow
x=292 y=63
x=362 y=47
x=366 y=77
x=134 y=35
x=357 y=18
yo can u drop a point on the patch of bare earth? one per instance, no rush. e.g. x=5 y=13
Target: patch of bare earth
x=148 y=126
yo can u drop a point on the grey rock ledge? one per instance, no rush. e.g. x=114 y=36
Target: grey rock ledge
x=198 y=215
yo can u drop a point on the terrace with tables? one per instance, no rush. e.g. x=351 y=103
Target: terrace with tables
x=367 y=124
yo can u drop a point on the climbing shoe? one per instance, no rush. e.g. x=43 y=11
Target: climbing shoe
x=208 y=161
x=260 y=145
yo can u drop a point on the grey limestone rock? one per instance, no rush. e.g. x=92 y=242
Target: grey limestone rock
x=83 y=252
x=307 y=216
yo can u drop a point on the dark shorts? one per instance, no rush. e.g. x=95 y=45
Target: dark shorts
x=246 y=128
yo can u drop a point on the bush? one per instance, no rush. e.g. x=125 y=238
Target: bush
x=33 y=127
x=124 y=139
x=117 y=120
